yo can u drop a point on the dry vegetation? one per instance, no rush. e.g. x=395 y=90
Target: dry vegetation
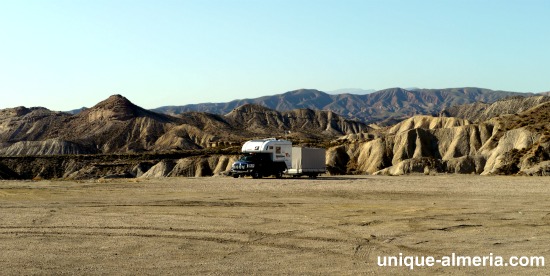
x=535 y=119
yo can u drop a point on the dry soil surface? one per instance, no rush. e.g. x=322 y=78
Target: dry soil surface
x=221 y=226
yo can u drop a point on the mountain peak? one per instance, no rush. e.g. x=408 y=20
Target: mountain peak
x=305 y=92
x=116 y=99
x=116 y=107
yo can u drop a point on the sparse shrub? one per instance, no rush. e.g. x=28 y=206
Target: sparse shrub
x=332 y=170
x=351 y=167
x=511 y=160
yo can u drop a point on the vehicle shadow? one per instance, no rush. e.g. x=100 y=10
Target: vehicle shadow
x=323 y=177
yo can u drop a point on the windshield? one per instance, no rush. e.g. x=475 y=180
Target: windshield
x=247 y=158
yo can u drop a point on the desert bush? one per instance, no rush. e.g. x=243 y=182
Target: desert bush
x=511 y=160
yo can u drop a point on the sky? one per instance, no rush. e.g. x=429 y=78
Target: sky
x=65 y=54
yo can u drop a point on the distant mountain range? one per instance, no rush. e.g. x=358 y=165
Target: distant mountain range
x=384 y=107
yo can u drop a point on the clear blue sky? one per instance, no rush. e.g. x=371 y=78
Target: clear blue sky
x=67 y=54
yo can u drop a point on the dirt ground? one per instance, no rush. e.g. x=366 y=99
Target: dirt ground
x=221 y=226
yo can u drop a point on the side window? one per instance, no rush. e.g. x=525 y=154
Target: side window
x=278 y=150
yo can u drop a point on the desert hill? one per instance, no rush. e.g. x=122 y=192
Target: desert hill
x=21 y=123
x=479 y=111
x=261 y=121
x=116 y=125
x=383 y=107
x=113 y=125
x=506 y=144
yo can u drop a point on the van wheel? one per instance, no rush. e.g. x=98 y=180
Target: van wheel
x=278 y=175
x=235 y=176
x=256 y=175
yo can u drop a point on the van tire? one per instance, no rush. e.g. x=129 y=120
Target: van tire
x=256 y=175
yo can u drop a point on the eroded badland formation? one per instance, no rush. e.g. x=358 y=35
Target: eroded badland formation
x=394 y=131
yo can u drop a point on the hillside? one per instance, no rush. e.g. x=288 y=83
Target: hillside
x=29 y=124
x=384 y=107
x=301 y=123
x=478 y=112
x=116 y=125
x=116 y=138
x=113 y=125
x=506 y=144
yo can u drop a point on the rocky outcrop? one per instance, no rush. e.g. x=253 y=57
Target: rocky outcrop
x=515 y=139
x=509 y=144
x=46 y=147
x=540 y=169
x=192 y=167
x=301 y=123
x=426 y=122
x=112 y=166
x=439 y=143
x=184 y=137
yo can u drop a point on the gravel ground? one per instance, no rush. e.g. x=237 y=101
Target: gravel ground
x=223 y=226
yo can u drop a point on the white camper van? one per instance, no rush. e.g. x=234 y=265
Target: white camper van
x=271 y=156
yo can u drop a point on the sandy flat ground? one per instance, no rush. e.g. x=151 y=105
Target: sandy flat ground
x=221 y=226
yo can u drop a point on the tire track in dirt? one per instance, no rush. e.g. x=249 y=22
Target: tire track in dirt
x=241 y=237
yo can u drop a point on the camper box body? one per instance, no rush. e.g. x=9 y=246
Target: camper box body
x=307 y=161
x=278 y=150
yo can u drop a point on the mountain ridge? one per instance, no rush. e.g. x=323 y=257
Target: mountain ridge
x=480 y=111
x=382 y=107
